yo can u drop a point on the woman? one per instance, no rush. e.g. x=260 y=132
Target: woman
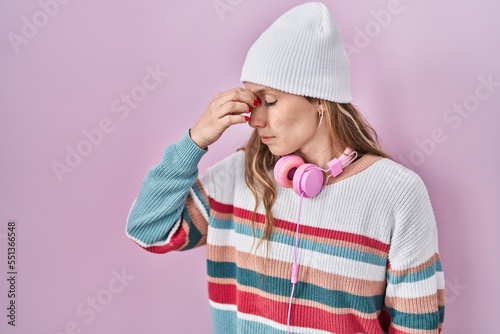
x=311 y=227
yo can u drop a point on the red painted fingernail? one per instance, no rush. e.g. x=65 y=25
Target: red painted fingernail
x=250 y=109
x=247 y=118
x=256 y=102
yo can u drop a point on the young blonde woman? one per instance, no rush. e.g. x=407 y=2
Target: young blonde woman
x=311 y=227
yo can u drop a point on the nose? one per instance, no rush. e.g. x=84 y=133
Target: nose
x=258 y=117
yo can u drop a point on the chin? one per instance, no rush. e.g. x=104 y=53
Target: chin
x=279 y=151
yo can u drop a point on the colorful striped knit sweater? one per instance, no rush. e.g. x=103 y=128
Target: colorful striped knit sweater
x=368 y=246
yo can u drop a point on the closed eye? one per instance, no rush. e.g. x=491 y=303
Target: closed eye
x=270 y=103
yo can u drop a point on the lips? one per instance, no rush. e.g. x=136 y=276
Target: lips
x=266 y=139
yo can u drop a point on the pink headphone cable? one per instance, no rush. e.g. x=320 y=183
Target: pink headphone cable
x=335 y=167
x=295 y=265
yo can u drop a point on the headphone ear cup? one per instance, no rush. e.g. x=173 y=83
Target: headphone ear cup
x=308 y=180
x=285 y=169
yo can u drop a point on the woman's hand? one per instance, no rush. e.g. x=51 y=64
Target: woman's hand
x=225 y=110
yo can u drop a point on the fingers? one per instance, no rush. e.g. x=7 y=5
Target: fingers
x=234 y=108
x=236 y=101
x=226 y=109
x=235 y=119
x=234 y=113
x=241 y=95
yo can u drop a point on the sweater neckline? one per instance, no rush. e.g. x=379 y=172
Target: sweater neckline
x=355 y=167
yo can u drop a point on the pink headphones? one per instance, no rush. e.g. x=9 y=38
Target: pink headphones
x=307 y=179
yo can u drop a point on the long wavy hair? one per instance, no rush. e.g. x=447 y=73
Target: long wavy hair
x=346 y=127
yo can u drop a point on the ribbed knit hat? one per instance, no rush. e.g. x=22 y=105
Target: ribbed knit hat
x=301 y=53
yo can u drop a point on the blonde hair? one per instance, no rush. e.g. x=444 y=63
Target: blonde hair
x=346 y=127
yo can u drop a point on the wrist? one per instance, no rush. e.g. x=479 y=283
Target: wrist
x=197 y=141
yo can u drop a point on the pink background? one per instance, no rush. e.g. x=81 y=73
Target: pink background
x=411 y=69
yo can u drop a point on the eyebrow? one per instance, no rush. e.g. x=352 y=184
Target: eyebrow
x=263 y=91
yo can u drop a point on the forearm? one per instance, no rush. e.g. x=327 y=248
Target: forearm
x=160 y=207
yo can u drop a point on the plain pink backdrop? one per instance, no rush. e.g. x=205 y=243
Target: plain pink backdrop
x=408 y=70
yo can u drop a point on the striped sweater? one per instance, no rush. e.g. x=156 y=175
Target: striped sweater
x=367 y=251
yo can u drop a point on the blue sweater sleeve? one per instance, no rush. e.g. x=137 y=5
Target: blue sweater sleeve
x=171 y=212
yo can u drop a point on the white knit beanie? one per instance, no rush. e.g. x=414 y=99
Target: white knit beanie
x=301 y=53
